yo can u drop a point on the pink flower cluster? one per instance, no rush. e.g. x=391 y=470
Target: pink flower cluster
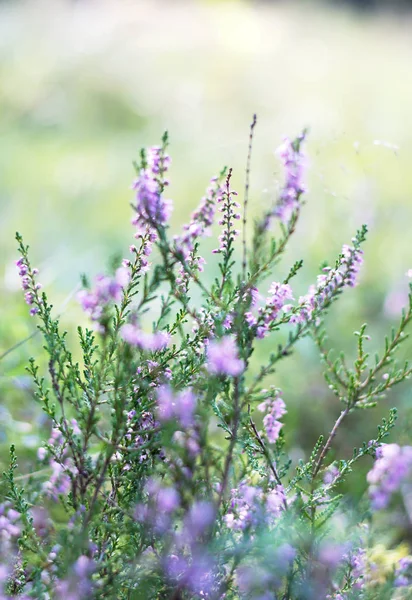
x=78 y=586
x=392 y=466
x=194 y=264
x=279 y=293
x=152 y=210
x=28 y=284
x=293 y=161
x=62 y=465
x=403 y=573
x=141 y=262
x=151 y=342
x=201 y=219
x=180 y=406
x=106 y=289
x=9 y=528
x=223 y=357
x=275 y=408
x=249 y=506
x=345 y=274
x=161 y=504
x=229 y=214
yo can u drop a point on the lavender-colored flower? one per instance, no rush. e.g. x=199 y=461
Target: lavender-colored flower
x=194 y=265
x=345 y=274
x=201 y=220
x=9 y=528
x=200 y=516
x=331 y=474
x=106 y=289
x=229 y=214
x=78 y=585
x=250 y=506
x=180 y=406
x=29 y=285
x=275 y=408
x=392 y=466
x=403 y=572
x=60 y=479
x=279 y=293
x=223 y=357
x=293 y=160
x=151 y=342
x=358 y=562
x=168 y=500
x=152 y=209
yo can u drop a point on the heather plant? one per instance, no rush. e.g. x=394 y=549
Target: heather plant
x=166 y=472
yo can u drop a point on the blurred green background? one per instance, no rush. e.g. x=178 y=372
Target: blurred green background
x=83 y=85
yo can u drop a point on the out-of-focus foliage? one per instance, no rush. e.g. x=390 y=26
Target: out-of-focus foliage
x=84 y=85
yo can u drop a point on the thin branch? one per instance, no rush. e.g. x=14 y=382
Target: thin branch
x=246 y=198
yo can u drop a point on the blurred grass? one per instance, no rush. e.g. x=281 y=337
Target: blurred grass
x=84 y=85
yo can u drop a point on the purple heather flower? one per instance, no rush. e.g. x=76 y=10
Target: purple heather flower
x=201 y=220
x=279 y=293
x=275 y=501
x=250 y=506
x=393 y=464
x=293 y=161
x=200 y=516
x=8 y=527
x=106 y=289
x=223 y=357
x=331 y=474
x=229 y=214
x=59 y=482
x=180 y=406
x=275 y=408
x=151 y=342
x=403 y=573
x=345 y=274
x=194 y=264
x=168 y=500
x=29 y=284
x=152 y=210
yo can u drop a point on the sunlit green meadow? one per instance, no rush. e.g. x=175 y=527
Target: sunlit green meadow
x=84 y=85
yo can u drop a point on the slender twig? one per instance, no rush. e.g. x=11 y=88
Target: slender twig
x=267 y=456
x=233 y=440
x=246 y=198
x=34 y=333
x=329 y=441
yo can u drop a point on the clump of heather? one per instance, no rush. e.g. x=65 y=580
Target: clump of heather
x=165 y=473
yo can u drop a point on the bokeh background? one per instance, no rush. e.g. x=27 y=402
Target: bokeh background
x=85 y=84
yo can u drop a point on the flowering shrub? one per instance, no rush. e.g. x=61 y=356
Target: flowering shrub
x=158 y=480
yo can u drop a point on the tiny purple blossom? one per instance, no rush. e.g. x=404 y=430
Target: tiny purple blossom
x=151 y=342
x=180 y=405
x=223 y=357
x=392 y=466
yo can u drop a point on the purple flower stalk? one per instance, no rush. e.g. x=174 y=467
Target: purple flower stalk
x=106 y=290
x=152 y=210
x=344 y=274
x=201 y=220
x=275 y=409
x=293 y=160
x=29 y=285
x=279 y=293
x=223 y=357
x=229 y=212
x=403 y=573
x=392 y=466
x=151 y=342
x=180 y=406
x=250 y=506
